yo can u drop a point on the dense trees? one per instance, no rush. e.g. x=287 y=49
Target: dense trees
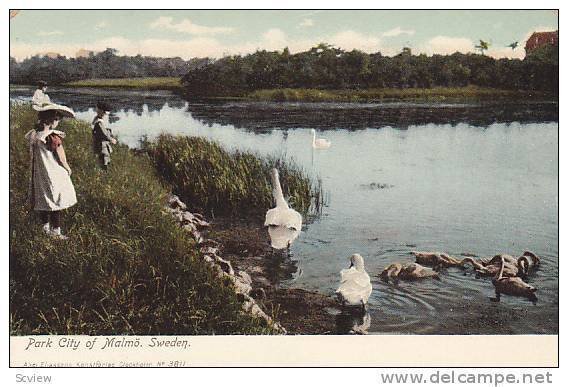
x=105 y=64
x=327 y=67
x=321 y=67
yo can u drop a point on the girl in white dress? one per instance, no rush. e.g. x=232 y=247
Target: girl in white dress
x=51 y=189
x=40 y=98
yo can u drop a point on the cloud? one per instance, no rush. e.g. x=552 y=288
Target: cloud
x=272 y=39
x=350 y=40
x=307 y=23
x=446 y=45
x=205 y=46
x=188 y=27
x=49 y=33
x=101 y=25
x=506 y=52
x=396 y=32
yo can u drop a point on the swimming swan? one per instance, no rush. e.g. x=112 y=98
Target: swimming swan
x=407 y=272
x=435 y=259
x=513 y=286
x=355 y=287
x=319 y=143
x=528 y=262
x=512 y=267
x=284 y=223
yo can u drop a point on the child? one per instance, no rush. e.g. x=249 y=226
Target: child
x=102 y=136
x=51 y=189
x=40 y=98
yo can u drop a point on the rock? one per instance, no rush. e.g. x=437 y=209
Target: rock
x=189 y=228
x=257 y=312
x=240 y=286
x=197 y=236
x=211 y=243
x=245 y=277
x=177 y=214
x=208 y=259
x=209 y=250
x=187 y=216
x=258 y=294
x=247 y=305
x=201 y=223
x=225 y=265
x=175 y=202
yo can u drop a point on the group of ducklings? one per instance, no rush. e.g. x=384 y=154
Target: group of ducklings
x=509 y=273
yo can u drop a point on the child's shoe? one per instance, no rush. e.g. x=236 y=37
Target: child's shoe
x=56 y=233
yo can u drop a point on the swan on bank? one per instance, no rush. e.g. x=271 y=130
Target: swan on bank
x=355 y=286
x=319 y=143
x=284 y=223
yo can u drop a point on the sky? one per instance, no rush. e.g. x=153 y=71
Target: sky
x=201 y=33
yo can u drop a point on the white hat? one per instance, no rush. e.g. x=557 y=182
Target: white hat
x=61 y=109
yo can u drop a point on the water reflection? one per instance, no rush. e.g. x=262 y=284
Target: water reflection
x=264 y=116
x=352 y=320
x=281 y=267
x=281 y=236
x=85 y=99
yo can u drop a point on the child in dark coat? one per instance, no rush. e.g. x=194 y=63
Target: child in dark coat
x=102 y=136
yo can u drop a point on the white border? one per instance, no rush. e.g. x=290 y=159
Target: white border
x=244 y=377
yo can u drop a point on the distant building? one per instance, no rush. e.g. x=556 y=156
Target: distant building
x=82 y=53
x=540 y=39
x=52 y=55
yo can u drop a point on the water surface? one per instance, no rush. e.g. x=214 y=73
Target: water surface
x=459 y=178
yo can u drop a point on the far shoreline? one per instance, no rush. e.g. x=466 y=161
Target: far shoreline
x=436 y=94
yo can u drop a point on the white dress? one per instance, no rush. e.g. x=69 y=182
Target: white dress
x=40 y=98
x=51 y=188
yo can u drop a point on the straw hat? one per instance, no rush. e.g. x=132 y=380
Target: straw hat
x=61 y=109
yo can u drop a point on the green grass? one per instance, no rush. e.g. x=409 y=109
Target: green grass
x=409 y=94
x=148 y=83
x=218 y=182
x=126 y=269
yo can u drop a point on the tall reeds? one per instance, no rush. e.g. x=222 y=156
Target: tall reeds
x=218 y=182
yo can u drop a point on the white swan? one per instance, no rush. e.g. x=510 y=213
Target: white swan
x=355 y=287
x=284 y=223
x=319 y=143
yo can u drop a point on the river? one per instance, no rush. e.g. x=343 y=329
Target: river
x=479 y=179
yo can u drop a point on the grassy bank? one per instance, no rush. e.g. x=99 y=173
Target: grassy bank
x=469 y=93
x=126 y=269
x=217 y=182
x=148 y=83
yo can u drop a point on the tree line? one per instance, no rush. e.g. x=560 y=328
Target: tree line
x=321 y=67
x=328 y=67
x=105 y=64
